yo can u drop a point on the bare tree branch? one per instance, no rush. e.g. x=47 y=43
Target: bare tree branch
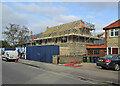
x=16 y=34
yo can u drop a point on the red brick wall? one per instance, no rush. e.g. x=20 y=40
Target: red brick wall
x=102 y=52
x=67 y=59
x=70 y=58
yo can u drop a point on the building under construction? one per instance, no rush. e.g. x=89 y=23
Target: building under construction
x=71 y=37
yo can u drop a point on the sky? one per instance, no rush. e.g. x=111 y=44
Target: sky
x=38 y=15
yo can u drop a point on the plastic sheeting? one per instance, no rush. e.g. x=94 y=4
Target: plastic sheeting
x=21 y=49
x=42 y=53
x=2 y=49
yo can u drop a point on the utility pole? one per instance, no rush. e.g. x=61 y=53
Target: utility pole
x=31 y=37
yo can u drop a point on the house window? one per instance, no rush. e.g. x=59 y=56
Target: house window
x=40 y=42
x=114 y=33
x=96 y=51
x=33 y=43
x=63 y=39
x=115 y=51
x=55 y=40
x=45 y=41
x=90 y=52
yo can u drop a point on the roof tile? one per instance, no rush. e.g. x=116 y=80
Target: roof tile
x=113 y=25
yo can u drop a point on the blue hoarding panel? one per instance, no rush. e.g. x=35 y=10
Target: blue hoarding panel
x=9 y=48
x=42 y=53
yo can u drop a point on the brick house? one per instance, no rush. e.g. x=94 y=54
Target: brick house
x=112 y=37
x=112 y=42
x=98 y=49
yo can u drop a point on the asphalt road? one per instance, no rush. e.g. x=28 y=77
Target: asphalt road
x=16 y=73
x=88 y=71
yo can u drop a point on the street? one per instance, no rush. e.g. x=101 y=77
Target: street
x=16 y=73
x=88 y=71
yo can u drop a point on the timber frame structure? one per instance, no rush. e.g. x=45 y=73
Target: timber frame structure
x=71 y=37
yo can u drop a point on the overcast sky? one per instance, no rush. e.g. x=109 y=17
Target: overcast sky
x=37 y=16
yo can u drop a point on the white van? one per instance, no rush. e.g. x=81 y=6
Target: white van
x=10 y=55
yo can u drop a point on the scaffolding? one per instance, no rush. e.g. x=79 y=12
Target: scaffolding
x=78 y=32
x=78 y=27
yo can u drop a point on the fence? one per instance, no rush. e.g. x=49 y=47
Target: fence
x=42 y=53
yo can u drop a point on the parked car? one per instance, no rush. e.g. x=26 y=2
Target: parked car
x=10 y=55
x=110 y=61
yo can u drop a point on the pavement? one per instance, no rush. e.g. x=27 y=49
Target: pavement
x=88 y=72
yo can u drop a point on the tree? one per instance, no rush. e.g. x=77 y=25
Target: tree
x=4 y=44
x=16 y=34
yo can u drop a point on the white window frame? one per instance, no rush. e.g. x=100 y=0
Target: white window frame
x=114 y=30
x=118 y=32
x=112 y=50
x=117 y=48
x=108 y=50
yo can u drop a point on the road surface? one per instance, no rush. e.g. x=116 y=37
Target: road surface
x=16 y=73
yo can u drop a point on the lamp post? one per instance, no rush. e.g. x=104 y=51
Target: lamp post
x=31 y=37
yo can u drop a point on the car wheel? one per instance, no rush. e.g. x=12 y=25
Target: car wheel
x=107 y=68
x=6 y=59
x=103 y=67
x=116 y=67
